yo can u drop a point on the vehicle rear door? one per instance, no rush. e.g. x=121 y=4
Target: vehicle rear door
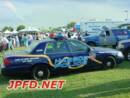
x=58 y=53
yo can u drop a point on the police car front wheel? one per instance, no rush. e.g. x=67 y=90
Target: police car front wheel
x=40 y=72
x=110 y=63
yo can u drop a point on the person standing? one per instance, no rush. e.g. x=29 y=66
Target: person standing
x=17 y=41
x=10 y=45
x=1 y=43
x=20 y=39
x=5 y=43
x=69 y=35
x=29 y=39
x=26 y=40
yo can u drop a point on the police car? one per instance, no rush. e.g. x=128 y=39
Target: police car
x=124 y=46
x=52 y=55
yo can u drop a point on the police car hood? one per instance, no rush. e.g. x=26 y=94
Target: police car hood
x=104 y=50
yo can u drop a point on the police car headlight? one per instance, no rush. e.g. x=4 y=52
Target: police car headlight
x=120 y=54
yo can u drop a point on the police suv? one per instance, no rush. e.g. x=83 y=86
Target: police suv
x=58 y=54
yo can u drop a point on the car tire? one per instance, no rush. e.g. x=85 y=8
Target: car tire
x=40 y=72
x=127 y=55
x=110 y=63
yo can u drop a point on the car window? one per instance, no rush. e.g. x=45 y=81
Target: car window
x=77 y=46
x=57 y=47
x=107 y=33
x=36 y=48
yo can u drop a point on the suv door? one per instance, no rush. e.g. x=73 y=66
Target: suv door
x=102 y=38
x=107 y=38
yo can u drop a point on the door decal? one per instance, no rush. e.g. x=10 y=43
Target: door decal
x=71 y=62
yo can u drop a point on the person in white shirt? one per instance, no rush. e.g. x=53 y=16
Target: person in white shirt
x=5 y=43
x=17 y=41
x=10 y=45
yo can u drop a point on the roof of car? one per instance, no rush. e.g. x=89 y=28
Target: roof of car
x=47 y=40
x=50 y=40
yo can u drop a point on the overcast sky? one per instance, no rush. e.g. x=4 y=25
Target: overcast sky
x=45 y=13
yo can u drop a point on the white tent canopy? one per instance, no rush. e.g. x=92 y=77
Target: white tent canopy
x=7 y=32
x=14 y=32
x=29 y=29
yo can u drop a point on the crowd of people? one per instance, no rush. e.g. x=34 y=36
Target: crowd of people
x=20 y=40
x=25 y=39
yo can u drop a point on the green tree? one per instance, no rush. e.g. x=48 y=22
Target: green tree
x=70 y=25
x=7 y=28
x=10 y=29
x=20 y=27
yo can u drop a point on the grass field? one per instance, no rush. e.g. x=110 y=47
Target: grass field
x=97 y=84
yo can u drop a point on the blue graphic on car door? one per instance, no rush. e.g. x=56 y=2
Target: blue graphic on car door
x=79 y=53
x=71 y=61
x=62 y=56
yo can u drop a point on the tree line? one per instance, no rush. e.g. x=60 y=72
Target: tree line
x=50 y=29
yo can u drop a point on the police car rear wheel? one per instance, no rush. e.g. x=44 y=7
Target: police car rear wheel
x=110 y=63
x=40 y=72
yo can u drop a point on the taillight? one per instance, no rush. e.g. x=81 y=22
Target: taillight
x=6 y=62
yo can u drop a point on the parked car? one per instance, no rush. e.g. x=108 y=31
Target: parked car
x=124 y=46
x=52 y=55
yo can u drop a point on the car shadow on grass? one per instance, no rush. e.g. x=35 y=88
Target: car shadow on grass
x=5 y=79
x=103 y=90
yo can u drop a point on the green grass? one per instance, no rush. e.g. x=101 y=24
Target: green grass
x=98 y=84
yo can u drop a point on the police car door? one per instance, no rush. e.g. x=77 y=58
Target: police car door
x=79 y=51
x=58 y=53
